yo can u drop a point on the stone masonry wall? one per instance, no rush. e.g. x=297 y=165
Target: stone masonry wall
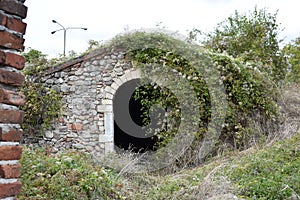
x=12 y=30
x=88 y=87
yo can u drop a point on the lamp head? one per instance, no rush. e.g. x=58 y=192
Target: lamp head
x=54 y=21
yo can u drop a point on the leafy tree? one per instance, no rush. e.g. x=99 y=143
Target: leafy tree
x=252 y=37
x=292 y=50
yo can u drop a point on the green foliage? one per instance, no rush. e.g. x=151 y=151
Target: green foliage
x=43 y=104
x=249 y=90
x=150 y=95
x=272 y=173
x=164 y=96
x=93 y=44
x=70 y=175
x=251 y=37
x=268 y=173
x=36 y=61
x=292 y=50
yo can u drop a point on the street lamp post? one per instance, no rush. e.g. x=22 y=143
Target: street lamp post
x=65 y=32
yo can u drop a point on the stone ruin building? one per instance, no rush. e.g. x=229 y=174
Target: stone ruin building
x=88 y=85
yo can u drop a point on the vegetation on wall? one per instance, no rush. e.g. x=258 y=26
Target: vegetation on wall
x=43 y=104
x=249 y=91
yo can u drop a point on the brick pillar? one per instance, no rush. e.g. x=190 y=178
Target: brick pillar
x=12 y=29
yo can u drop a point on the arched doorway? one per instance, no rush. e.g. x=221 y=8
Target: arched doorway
x=128 y=120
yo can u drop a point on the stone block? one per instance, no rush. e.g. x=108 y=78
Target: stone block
x=123 y=79
x=106 y=102
x=117 y=83
x=109 y=147
x=110 y=90
x=128 y=75
x=49 y=134
x=105 y=138
x=109 y=96
x=76 y=127
x=136 y=74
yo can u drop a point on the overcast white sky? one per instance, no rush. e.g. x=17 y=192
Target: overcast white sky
x=105 y=19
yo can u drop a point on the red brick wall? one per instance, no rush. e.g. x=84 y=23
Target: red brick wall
x=12 y=29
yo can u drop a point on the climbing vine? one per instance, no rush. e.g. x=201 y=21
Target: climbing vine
x=249 y=91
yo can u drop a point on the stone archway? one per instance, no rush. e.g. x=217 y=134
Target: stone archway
x=128 y=110
x=108 y=138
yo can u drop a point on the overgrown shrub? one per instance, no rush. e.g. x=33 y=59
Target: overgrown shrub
x=292 y=50
x=252 y=37
x=70 y=175
x=249 y=90
x=43 y=104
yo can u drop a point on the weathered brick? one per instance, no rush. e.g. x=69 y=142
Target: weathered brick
x=3 y=20
x=13 y=135
x=14 y=7
x=11 y=116
x=11 y=78
x=15 y=60
x=12 y=41
x=10 y=189
x=16 y=25
x=10 y=171
x=12 y=97
x=2 y=56
x=76 y=127
x=12 y=59
x=10 y=152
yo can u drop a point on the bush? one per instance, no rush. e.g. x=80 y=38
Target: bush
x=43 y=105
x=70 y=175
x=252 y=37
x=292 y=50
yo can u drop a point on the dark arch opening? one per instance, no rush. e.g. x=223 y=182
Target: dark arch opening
x=121 y=102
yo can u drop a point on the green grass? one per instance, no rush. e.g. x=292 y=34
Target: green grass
x=271 y=173
x=267 y=173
